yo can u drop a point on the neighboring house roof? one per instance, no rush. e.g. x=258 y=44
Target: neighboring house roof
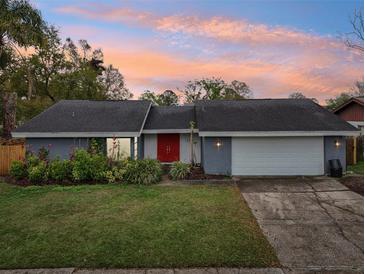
x=86 y=118
x=356 y=100
x=267 y=115
x=162 y=118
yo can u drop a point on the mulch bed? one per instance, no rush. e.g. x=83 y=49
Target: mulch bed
x=26 y=182
x=197 y=173
x=355 y=183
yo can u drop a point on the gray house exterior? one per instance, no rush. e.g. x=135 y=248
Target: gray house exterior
x=248 y=137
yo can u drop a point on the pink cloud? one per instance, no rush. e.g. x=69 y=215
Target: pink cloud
x=220 y=28
x=145 y=69
x=274 y=61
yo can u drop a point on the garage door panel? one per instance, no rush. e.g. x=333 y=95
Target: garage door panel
x=277 y=156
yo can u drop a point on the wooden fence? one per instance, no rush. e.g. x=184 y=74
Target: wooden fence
x=354 y=150
x=9 y=153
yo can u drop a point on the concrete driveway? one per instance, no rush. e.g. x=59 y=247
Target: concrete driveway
x=314 y=224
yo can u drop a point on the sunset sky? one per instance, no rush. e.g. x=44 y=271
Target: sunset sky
x=276 y=47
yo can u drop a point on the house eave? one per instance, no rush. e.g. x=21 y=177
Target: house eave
x=74 y=134
x=162 y=131
x=276 y=133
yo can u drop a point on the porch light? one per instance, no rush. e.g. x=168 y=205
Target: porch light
x=337 y=143
x=218 y=143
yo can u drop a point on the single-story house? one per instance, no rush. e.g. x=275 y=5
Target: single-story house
x=245 y=137
x=352 y=111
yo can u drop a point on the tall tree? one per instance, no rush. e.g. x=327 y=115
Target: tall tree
x=167 y=98
x=214 y=89
x=356 y=91
x=80 y=79
x=113 y=82
x=20 y=26
x=148 y=96
x=47 y=61
x=338 y=100
x=237 y=90
x=299 y=95
x=192 y=92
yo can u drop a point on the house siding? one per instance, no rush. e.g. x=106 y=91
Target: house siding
x=140 y=147
x=333 y=152
x=217 y=160
x=58 y=147
x=150 y=146
x=185 y=148
x=352 y=112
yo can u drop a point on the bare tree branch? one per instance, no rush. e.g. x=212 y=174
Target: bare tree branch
x=355 y=38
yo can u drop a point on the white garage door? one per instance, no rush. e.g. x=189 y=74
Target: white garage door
x=277 y=156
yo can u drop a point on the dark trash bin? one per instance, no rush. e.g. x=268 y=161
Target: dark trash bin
x=335 y=168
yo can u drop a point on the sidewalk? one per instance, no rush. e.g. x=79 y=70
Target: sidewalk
x=210 y=270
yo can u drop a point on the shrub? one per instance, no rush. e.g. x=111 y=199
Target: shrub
x=144 y=172
x=60 y=170
x=43 y=154
x=179 y=170
x=97 y=146
x=100 y=166
x=18 y=170
x=31 y=160
x=88 y=167
x=115 y=175
x=38 y=173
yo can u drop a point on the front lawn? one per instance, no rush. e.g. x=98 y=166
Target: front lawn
x=358 y=168
x=128 y=226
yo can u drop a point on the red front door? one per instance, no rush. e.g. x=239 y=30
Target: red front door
x=168 y=147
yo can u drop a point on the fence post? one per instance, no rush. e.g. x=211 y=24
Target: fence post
x=355 y=150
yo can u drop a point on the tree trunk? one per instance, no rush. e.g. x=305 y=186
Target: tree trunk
x=192 y=161
x=47 y=91
x=30 y=84
x=9 y=115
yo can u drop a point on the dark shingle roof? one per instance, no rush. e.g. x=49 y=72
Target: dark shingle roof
x=172 y=117
x=82 y=116
x=267 y=115
x=89 y=116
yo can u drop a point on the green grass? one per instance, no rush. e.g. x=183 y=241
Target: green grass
x=358 y=168
x=128 y=226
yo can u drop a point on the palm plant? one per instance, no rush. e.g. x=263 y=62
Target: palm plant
x=21 y=26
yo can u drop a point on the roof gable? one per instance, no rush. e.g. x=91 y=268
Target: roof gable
x=353 y=100
x=170 y=117
x=87 y=116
